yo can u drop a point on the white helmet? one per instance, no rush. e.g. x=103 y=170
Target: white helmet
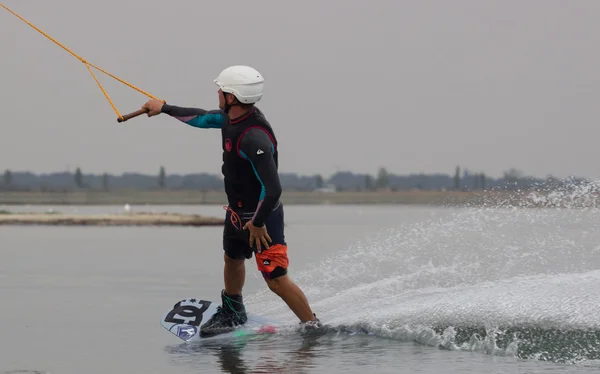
x=242 y=81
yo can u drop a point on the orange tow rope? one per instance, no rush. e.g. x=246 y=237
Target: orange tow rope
x=87 y=64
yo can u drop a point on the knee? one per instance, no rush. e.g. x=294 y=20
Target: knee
x=233 y=261
x=275 y=283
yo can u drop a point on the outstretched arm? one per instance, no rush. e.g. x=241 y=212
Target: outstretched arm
x=256 y=147
x=195 y=117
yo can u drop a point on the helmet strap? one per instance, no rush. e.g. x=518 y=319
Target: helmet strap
x=227 y=106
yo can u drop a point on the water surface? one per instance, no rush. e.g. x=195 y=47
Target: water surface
x=406 y=290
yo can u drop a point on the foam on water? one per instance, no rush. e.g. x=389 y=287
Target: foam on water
x=500 y=280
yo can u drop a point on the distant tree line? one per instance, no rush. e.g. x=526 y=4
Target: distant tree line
x=341 y=181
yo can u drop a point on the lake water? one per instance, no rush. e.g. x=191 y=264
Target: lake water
x=407 y=289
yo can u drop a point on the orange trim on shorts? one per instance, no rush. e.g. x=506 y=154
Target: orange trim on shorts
x=269 y=259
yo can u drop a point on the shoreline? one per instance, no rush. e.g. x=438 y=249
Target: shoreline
x=140 y=198
x=415 y=197
x=190 y=197
x=126 y=219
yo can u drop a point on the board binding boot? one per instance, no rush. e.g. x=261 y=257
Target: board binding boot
x=230 y=314
x=314 y=327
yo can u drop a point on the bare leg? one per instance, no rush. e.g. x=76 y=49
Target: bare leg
x=235 y=275
x=293 y=296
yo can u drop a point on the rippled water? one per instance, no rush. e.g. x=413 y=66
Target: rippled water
x=403 y=290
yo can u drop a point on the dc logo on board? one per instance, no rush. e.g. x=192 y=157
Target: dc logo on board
x=186 y=332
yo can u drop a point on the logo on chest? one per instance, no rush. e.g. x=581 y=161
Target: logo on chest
x=228 y=145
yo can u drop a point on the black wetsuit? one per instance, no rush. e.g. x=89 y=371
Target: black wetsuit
x=250 y=170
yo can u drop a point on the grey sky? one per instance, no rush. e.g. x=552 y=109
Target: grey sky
x=415 y=86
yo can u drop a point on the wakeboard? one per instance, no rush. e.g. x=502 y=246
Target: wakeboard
x=186 y=317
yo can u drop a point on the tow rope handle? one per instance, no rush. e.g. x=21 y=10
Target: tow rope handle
x=120 y=118
x=132 y=115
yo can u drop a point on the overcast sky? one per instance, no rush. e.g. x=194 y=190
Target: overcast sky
x=414 y=86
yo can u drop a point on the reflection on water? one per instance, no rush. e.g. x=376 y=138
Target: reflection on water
x=251 y=355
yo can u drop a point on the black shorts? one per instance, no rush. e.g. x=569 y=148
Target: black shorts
x=273 y=261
